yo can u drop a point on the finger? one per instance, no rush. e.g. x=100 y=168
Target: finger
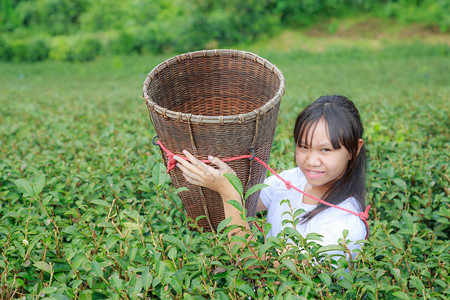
x=196 y=162
x=189 y=169
x=222 y=165
x=188 y=166
x=191 y=180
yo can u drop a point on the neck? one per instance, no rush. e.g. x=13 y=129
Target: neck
x=317 y=192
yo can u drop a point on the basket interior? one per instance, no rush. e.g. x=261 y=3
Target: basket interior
x=214 y=86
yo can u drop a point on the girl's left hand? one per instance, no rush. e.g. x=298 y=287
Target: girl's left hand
x=198 y=173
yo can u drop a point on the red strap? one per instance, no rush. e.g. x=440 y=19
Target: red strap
x=171 y=164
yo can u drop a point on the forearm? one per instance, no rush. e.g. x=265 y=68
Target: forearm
x=234 y=213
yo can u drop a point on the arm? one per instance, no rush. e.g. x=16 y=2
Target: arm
x=199 y=173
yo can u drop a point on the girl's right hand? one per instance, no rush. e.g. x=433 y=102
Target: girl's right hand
x=198 y=173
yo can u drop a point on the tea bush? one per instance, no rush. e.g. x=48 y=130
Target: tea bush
x=88 y=212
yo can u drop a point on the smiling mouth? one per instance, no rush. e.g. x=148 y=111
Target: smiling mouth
x=314 y=174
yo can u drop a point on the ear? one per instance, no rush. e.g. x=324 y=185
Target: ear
x=360 y=144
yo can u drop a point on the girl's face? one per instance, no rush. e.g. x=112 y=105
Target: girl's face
x=319 y=162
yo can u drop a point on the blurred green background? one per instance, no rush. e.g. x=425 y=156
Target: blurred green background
x=80 y=30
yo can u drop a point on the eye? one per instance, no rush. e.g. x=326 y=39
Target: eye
x=325 y=149
x=303 y=147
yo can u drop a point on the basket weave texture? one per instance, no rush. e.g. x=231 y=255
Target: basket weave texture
x=220 y=103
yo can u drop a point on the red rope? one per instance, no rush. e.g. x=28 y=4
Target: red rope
x=171 y=164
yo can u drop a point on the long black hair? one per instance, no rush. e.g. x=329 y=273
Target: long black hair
x=344 y=129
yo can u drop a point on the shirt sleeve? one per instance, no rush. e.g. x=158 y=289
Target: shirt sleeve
x=267 y=193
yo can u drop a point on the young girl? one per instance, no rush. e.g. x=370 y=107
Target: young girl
x=331 y=161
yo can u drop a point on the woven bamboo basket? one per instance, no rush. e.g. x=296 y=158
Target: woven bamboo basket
x=215 y=102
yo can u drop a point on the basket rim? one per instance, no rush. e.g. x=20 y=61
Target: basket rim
x=205 y=119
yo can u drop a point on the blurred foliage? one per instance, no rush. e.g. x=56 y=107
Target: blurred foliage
x=141 y=26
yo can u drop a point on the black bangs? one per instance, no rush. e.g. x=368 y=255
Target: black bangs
x=340 y=132
x=341 y=117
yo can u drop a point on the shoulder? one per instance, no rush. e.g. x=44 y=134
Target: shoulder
x=295 y=176
x=277 y=190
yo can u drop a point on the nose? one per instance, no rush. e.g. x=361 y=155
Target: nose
x=313 y=159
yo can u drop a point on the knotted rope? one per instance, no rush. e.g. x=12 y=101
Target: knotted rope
x=171 y=164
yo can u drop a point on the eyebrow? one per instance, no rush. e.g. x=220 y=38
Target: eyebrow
x=325 y=145
x=322 y=145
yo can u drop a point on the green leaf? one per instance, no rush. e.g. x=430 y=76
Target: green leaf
x=176 y=286
x=96 y=269
x=39 y=184
x=223 y=224
x=24 y=187
x=49 y=290
x=400 y=183
x=146 y=279
x=401 y=295
x=181 y=189
x=380 y=273
x=159 y=174
x=117 y=281
x=138 y=286
x=326 y=279
x=47 y=200
x=396 y=241
x=345 y=284
x=235 y=182
x=176 y=241
x=131 y=225
x=236 y=204
x=330 y=248
x=417 y=283
x=298 y=212
x=100 y=202
x=172 y=253
x=239 y=239
x=247 y=290
x=290 y=265
x=76 y=283
x=266 y=246
x=42 y=265
x=254 y=189
x=307 y=279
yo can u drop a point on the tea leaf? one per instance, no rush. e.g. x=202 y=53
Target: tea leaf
x=254 y=189
x=224 y=223
x=117 y=281
x=330 y=248
x=417 y=284
x=42 y=265
x=235 y=182
x=401 y=295
x=96 y=269
x=49 y=290
x=176 y=241
x=235 y=204
x=326 y=279
x=306 y=278
x=290 y=265
x=247 y=290
x=101 y=202
x=38 y=184
x=400 y=183
x=24 y=187
x=159 y=174
x=146 y=279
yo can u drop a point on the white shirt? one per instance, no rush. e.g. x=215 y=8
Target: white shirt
x=329 y=223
